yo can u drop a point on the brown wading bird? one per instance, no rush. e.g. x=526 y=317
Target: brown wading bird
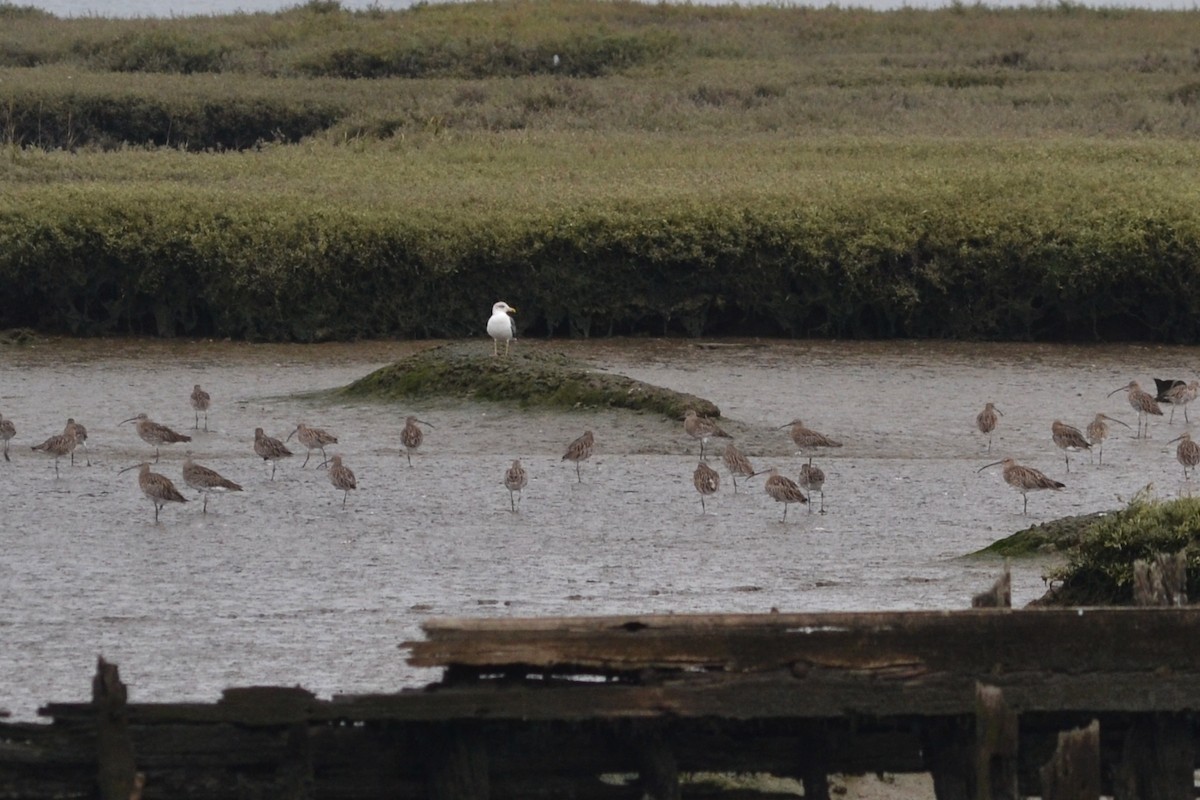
x=155 y=434
x=812 y=480
x=60 y=445
x=580 y=450
x=1097 y=432
x=7 y=432
x=200 y=403
x=80 y=441
x=1023 y=479
x=986 y=421
x=1187 y=453
x=270 y=449
x=412 y=436
x=1068 y=439
x=1180 y=395
x=702 y=428
x=158 y=488
x=737 y=463
x=707 y=481
x=808 y=439
x=1141 y=402
x=515 y=479
x=342 y=478
x=781 y=489
x=312 y=439
x=205 y=480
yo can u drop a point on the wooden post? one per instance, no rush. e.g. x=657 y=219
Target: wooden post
x=458 y=766
x=996 y=741
x=1157 y=760
x=816 y=784
x=1161 y=583
x=946 y=744
x=1073 y=772
x=999 y=596
x=117 y=774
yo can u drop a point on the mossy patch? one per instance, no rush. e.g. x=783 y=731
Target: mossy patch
x=527 y=377
x=1056 y=536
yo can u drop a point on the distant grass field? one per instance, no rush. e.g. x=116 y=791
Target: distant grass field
x=319 y=173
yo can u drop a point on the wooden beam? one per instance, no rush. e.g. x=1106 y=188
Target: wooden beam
x=1073 y=773
x=117 y=776
x=996 y=746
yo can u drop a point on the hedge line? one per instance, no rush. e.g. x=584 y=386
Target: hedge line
x=92 y=262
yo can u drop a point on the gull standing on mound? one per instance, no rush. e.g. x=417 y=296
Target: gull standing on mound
x=502 y=327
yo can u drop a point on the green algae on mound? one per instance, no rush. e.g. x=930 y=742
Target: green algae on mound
x=1055 y=536
x=527 y=377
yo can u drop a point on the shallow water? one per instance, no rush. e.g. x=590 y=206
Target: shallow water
x=281 y=585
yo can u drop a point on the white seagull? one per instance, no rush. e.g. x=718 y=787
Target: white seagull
x=502 y=326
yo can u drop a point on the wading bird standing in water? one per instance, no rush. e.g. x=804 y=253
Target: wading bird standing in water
x=1143 y=403
x=707 y=481
x=60 y=445
x=7 y=432
x=986 y=421
x=205 y=480
x=807 y=439
x=1097 y=432
x=312 y=439
x=342 y=478
x=1023 y=479
x=200 y=403
x=270 y=449
x=1180 y=395
x=812 y=480
x=782 y=489
x=153 y=433
x=702 y=428
x=515 y=479
x=1068 y=439
x=412 y=436
x=501 y=327
x=580 y=450
x=158 y=488
x=1187 y=453
x=737 y=464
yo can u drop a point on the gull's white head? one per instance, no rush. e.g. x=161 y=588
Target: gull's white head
x=503 y=308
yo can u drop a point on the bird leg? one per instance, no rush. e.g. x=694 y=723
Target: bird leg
x=324 y=463
x=204 y=509
x=307 y=456
x=578 y=476
x=155 y=454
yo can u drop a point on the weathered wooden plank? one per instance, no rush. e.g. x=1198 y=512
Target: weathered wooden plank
x=117 y=769
x=1158 y=761
x=997 y=739
x=1074 y=771
x=966 y=640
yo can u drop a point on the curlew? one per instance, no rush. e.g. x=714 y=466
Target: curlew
x=1143 y=403
x=205 y=480
x=1180 y=395
x=201 y=400
x=812 y=480
x=158 y=488
x=502 y=327
x=1187 y=453
x=312 y=439
x=341 y=477
x=59 y=445
x=782 y=489
x=412 y=436
x=702 y=428
x=707 y=481
x=270 y=449
x=737 y=463
x=7 y=431
x=80 y=441
x=986 y=421
x=1023 y=479
x=1161 y=387
x=580 y=450
x=153 y=433
x=1069 y=439
x=807 y=439
x=1097 y=432
x=515 y=479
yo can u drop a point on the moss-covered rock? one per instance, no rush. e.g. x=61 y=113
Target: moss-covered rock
x=1056 y=536
x=1100 y=568
x=528 y=376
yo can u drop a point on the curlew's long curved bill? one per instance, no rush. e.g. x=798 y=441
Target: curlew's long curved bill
x=1124 y=388
x=985 y=466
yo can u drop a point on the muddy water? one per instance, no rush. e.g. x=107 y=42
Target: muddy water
x=281 y=585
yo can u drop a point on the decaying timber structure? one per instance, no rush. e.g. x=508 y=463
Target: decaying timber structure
x=992 y=702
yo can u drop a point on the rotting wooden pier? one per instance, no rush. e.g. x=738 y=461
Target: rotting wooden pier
x=994 y=703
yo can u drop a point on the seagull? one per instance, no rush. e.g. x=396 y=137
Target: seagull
x=501 y=326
